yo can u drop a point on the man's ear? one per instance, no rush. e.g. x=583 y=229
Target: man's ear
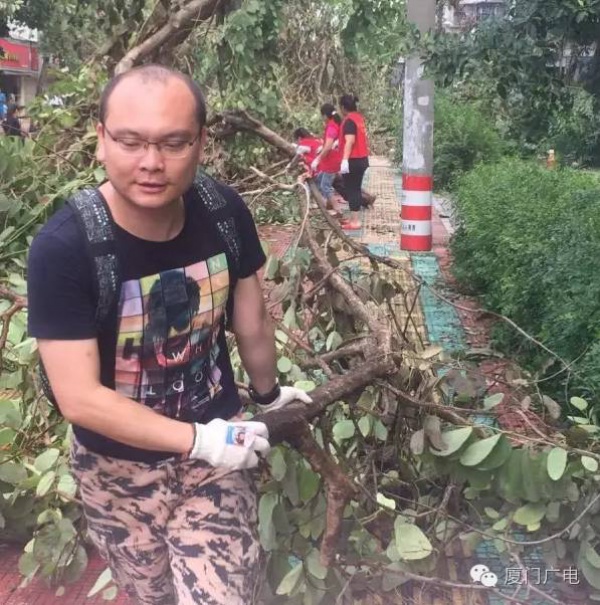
x=100 y=147
x=203 y=135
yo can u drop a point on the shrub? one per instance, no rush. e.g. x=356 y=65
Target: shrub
x=528 y=241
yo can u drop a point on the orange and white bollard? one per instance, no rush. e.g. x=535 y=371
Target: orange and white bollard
x=416 y=213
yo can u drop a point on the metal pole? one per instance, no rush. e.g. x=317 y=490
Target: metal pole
x=417 y=161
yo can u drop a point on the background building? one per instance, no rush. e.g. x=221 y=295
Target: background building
x=20 y=65
x=469 y=13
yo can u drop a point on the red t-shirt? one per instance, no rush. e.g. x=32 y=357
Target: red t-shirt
x=332 y=161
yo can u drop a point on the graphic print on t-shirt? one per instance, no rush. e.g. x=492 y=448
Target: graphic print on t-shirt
x=167 y=339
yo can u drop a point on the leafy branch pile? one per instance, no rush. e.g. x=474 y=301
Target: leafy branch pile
x=388 y=468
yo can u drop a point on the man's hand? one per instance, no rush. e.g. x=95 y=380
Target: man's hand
x=286 y=396
x=314 y=164
x=231 y=445
x=345 y=168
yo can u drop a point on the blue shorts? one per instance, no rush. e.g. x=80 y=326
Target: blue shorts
x=324 y=181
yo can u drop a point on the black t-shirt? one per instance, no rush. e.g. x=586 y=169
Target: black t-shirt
x=164 y=344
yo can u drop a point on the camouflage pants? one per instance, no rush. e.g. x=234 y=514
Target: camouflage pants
x=174 y=532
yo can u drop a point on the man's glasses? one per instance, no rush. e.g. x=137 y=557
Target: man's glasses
x=169 y=148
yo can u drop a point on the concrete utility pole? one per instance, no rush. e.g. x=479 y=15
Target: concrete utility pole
x=417 y=162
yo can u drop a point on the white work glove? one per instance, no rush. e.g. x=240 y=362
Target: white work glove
x=345 y=168
x=302 y=149
x=314 y=164
x=231 y=445
x=287 y=395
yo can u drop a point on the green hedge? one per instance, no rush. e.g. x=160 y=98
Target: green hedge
x=528 y=241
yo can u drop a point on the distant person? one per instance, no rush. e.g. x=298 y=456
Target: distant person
x=354 y=146
x=328 y=161
x=3 y=106
x=307 y=146
x=11 y=124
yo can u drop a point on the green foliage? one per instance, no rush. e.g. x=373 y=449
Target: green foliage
x=463 y=137
x=527 y=242
x=575 y=134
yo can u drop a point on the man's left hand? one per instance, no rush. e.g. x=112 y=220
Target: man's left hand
x=286 y=396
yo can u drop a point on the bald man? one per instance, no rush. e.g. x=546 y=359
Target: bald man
x=162 y=461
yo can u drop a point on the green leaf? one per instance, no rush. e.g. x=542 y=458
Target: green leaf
x=278 y=465
x=284 y=365
x=45 y=484
x=266 y=527
x=589 y=463
x=314 y=566
x=334 y=340
x=271 y=268
x=411 y=543
x=557 y=463
x=291 y=580
x=281 y=336
x=99 y=174
x=344 y=429
x=289 y=319
x=454 y=440
x=46 y=460
x=67 y=486
x=28 y=565
x=500 y=454
x=308 y=483
x=501 y=524
x=305 y=385
x=381 y=431
x=530 y=514
x=7 y=436
x=492 y=401
x=491 y=512
x=589 y=572
x=104 y=579
x=579 y=403
x=12 y=472
x=386 y=502
x=364 y=425
x=591 y=554
x=477 y=452
x=10 y=414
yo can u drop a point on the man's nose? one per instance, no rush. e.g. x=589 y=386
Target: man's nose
x=152 y=159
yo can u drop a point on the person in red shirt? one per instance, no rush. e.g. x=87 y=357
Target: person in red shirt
x=328 y=161
x=307 y=147
x=354 y=147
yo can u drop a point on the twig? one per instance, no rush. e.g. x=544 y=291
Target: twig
x=314 y=358
x=441 y=410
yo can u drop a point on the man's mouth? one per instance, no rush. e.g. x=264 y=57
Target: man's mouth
x=152 y=187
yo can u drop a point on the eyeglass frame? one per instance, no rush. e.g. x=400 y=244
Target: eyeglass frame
x=146 y=144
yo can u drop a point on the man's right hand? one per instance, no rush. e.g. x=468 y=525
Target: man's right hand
x=231 y=445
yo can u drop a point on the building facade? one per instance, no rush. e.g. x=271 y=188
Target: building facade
x=468 y=13
x=20 y=66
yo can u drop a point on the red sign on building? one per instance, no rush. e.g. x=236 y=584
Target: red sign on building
x=19 y=56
